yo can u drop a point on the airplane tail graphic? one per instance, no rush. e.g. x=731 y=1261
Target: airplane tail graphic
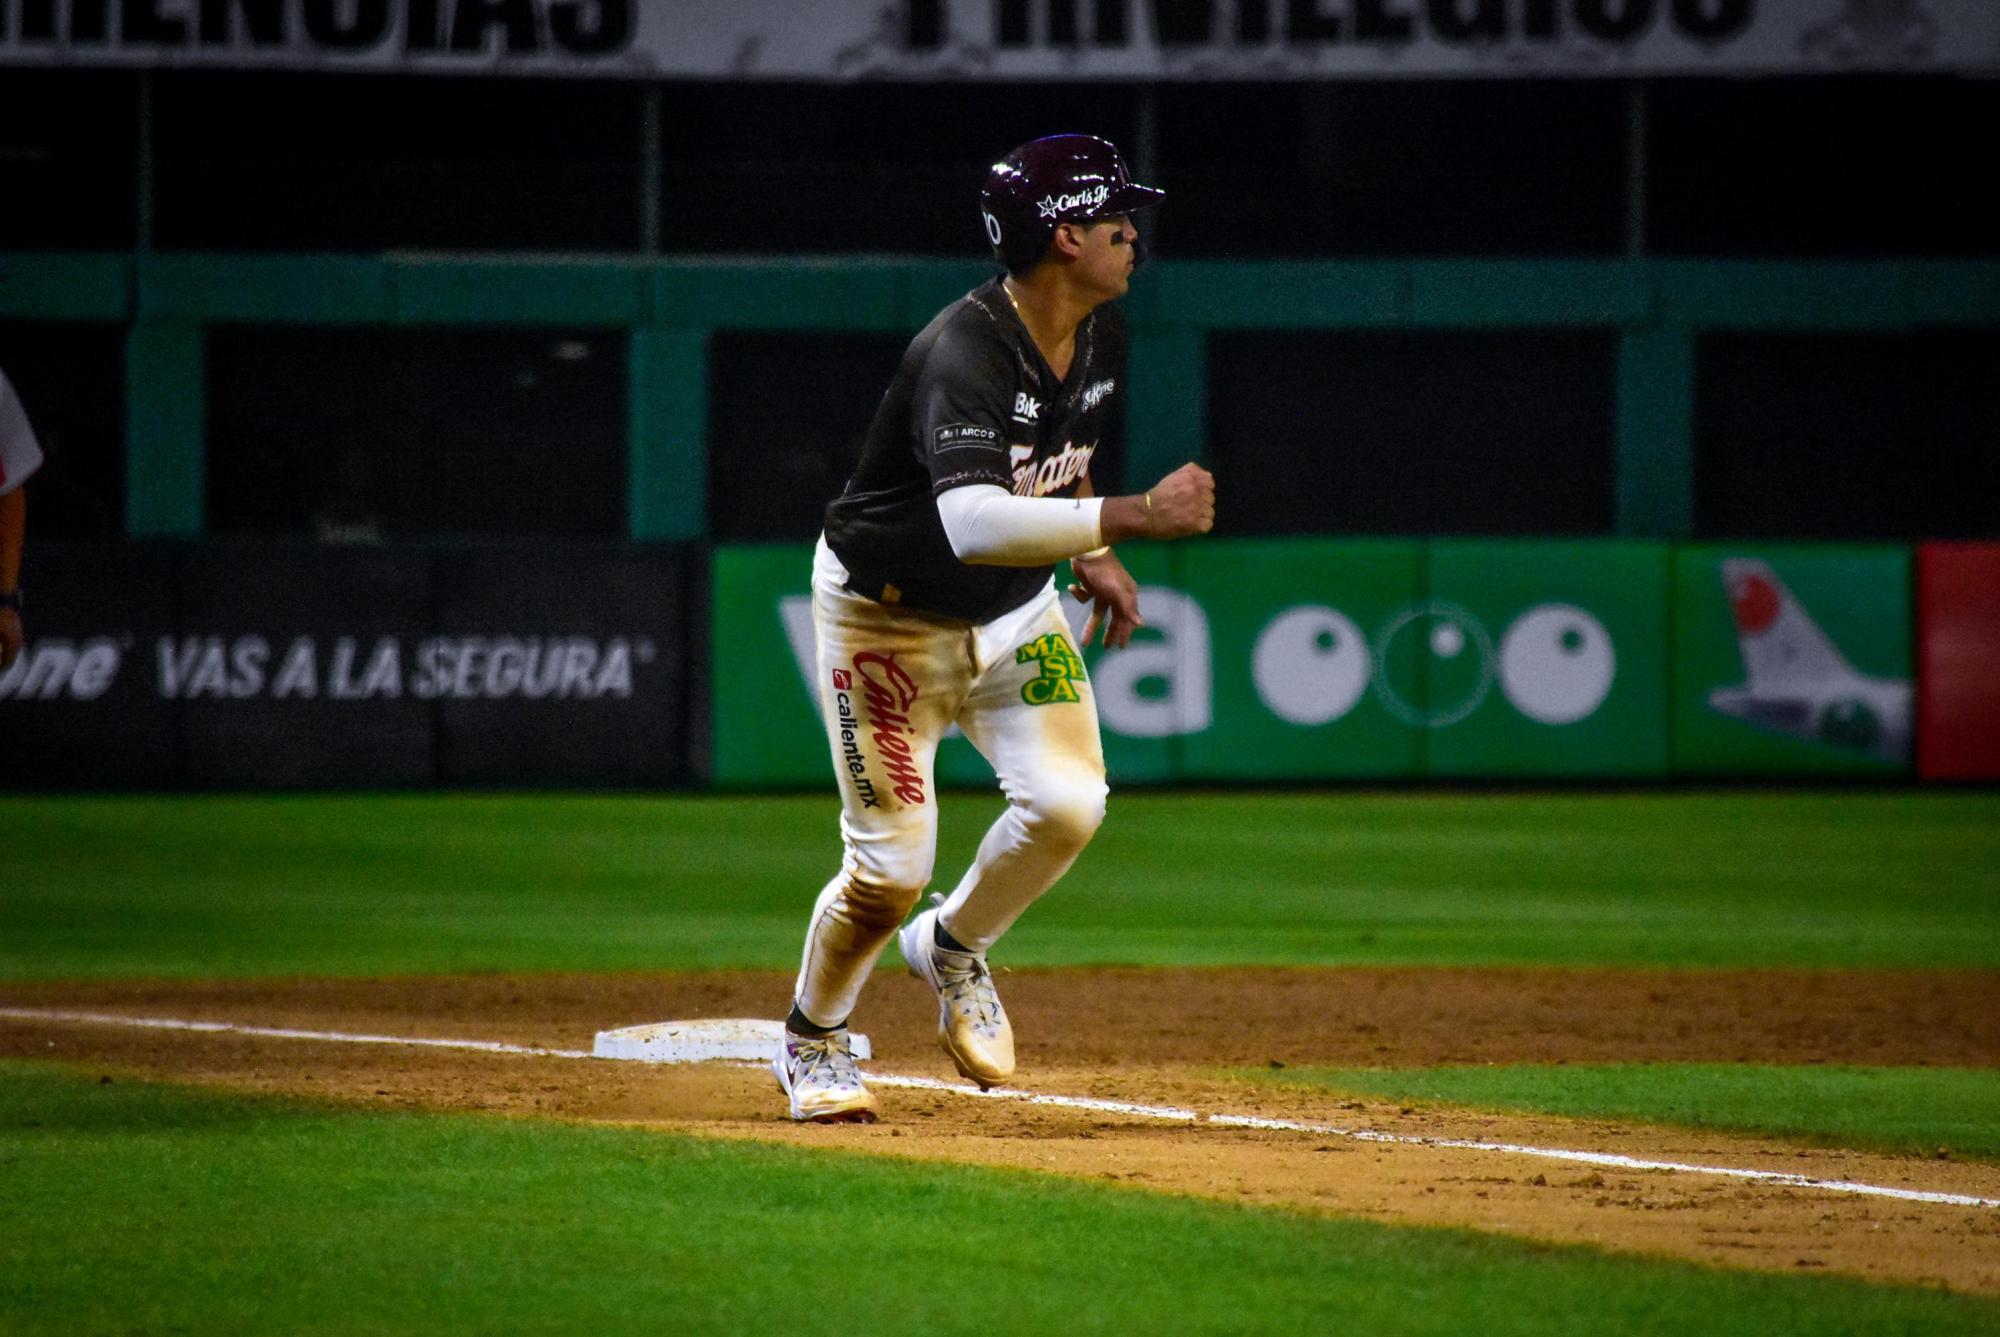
x=1783 y=649
x=1796 y=682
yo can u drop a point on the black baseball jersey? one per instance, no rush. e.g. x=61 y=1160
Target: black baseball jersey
x=973 y=401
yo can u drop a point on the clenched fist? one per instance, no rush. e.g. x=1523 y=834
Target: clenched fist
x=1180 y=504
x=1183 y=503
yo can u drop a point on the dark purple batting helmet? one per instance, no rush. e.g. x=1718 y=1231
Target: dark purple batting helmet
x=1060 y=179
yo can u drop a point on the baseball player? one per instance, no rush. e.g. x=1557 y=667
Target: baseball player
x=20 y=455
x=934 y=603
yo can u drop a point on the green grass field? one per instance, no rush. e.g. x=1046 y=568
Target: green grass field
x=369 y=885
x=160 y=1210
x=133 y=1208
x=1910 y=1110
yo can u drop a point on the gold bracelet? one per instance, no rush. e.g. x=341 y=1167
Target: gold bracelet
x=1149 y=501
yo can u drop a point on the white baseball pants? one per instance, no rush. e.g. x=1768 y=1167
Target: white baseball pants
x=891 y=682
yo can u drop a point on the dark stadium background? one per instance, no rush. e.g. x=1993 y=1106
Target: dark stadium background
x=370 y=359
x=1899 y=444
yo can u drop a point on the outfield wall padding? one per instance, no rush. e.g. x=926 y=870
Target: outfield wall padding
x=1792 y=660
x=1343 y=659
x=282 y=665
x=1958 y=639
x=79 y=709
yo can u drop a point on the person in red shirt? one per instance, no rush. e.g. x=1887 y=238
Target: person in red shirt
x=20 y=456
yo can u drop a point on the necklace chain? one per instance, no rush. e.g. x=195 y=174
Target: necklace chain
x=1015 y=302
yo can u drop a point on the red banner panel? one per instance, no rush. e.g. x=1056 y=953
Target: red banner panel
x=1958 y=649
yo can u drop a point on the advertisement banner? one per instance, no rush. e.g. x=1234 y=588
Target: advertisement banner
x=1301 y=686
x=1792 y=660
x=1958 y=650
x=764 y=724
x=294 y=667
x=564 y=667
x=1546 y=658
x=273 y=665
x=1286 y=659
x=81 y=709
x=1007 y=40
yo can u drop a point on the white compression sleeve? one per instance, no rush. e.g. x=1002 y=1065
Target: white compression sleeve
x=990 y=526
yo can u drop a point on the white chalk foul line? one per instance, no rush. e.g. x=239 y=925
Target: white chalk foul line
x=1599 y=1158
x=280 y=1032
x=1166 y=1113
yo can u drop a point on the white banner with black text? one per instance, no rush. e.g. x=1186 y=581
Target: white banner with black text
x=947 y=40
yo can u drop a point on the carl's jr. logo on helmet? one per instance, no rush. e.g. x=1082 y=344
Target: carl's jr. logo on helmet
x=1053 y=206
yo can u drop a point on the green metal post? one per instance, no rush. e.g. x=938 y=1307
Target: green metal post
x=1656 y=433
x=1166 y=418
x=165 y=419
x=668 y=435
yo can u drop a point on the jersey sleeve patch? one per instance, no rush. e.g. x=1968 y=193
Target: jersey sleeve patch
x=964 y=436
x=963 y=453
x=960 y=409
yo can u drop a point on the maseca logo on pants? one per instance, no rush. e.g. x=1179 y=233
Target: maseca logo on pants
x=1059 y=669
x=888 y=691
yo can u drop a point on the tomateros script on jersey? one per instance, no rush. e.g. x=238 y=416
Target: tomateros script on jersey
x=1032 y=478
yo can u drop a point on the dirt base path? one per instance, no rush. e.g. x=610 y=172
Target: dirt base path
x=1157 y=1037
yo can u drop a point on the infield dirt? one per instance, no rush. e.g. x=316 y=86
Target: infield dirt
x=1161 y=1037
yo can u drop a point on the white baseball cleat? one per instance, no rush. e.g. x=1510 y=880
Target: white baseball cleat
x=819 y=1076
x=972 y=1026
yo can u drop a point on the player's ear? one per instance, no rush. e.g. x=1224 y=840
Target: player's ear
x=1069 y=238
